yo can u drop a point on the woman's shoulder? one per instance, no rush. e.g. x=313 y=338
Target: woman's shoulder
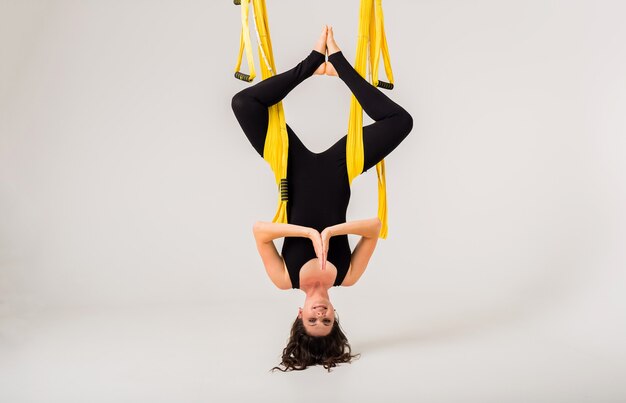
x=347 y=281
x=288 y=282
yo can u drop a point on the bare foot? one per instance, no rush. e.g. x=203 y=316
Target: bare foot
x=321 y=70
x=330 y=42
x=330 y=70
x=320 y=46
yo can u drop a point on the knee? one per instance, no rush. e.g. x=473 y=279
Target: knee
x=238 y=103
x=405 y=123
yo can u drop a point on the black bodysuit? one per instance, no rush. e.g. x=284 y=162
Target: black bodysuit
x=318 y=182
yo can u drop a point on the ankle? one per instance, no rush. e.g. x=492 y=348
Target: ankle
x=330 y=70
x=321 y=69
x=334 y=54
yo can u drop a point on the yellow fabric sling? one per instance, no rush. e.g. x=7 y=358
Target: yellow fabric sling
x=372 y=33
x=276 y=149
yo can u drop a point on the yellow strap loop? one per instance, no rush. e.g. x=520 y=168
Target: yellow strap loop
x=244 y=43
x=379 y=44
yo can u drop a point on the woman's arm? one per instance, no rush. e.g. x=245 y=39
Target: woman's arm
x=268 y=231
x=366 y=228
x=369 y=230
x=264 y=234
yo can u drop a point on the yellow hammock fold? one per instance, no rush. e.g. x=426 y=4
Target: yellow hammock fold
x=371 y=34
x=276 y=149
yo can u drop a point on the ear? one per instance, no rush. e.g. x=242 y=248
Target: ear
x=299 y=313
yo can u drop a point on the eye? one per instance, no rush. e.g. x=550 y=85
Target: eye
x=312 y=320
x=327 y=321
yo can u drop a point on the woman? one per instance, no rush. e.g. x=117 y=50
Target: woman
x=316 y=254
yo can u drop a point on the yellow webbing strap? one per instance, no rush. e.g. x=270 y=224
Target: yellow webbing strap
x=276 y=147
x=244 y=43
x=371 y=34
x=379 y=44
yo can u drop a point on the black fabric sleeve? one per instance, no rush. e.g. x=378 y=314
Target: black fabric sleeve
x=251 y=104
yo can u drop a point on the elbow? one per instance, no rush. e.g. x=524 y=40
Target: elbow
x=377 y=226
x=256 y=227
x=259 y=229
x=373 y=228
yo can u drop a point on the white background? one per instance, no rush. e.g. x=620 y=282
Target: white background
x=128 y=270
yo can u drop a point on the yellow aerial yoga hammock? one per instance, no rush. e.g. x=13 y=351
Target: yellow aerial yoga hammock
x=372 y=33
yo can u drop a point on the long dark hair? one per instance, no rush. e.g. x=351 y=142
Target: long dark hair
x=304 y=350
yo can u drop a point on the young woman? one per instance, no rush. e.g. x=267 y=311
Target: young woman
x=316 y=254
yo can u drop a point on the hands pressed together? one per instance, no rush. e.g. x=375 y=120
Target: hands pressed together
x=321 y=241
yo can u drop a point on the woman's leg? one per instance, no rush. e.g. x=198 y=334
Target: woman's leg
x=393 y=123
x=250 y=105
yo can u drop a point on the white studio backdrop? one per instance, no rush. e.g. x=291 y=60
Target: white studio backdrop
x=126 y=180
x=125 y=177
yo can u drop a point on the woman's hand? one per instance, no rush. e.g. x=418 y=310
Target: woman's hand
x=325 y=236
x=318 y=245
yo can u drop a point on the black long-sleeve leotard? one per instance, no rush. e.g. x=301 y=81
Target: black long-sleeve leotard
x=318 y=182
